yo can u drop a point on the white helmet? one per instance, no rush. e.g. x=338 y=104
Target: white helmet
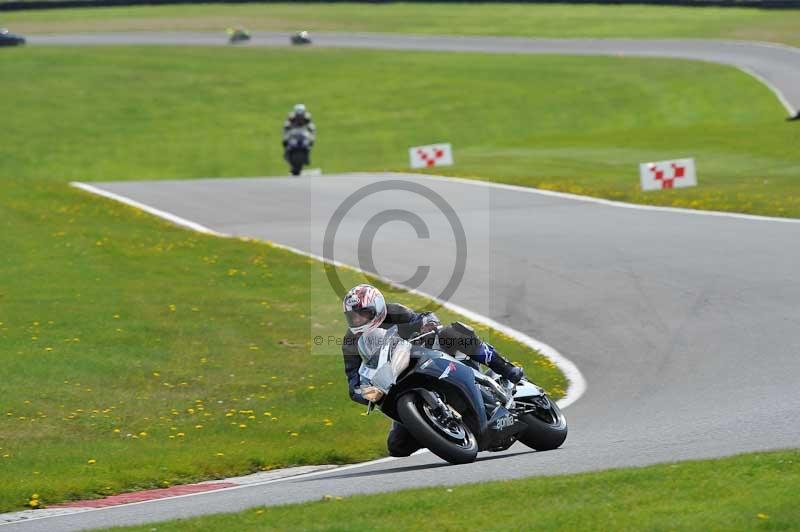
x=300 y=109
x=364 y=308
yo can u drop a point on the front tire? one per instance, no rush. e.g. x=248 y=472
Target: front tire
x=296 y=160
x=456 y=445
x=546 y=427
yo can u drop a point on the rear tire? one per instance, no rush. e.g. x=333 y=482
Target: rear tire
x=410 y=408
x=546 y=429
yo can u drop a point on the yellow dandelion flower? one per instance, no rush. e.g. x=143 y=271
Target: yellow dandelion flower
x=220 y=454
x=33 y=503
x=143 y=434
x=91 y=461
x=180 y=435
x=198 y=426
x=116 y=431
x=242 y=426
x=295 y=434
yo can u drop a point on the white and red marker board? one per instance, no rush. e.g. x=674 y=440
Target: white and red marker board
x=431 y=155
x=679 y=173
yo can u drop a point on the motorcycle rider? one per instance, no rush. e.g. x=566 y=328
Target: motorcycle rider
x=299 y=118
x=365 y=309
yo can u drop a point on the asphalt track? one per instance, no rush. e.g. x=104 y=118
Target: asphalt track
x=775 y=65
x=685 y=325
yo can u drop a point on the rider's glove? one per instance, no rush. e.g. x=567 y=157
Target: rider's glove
x=429 y=323
x=370 y=393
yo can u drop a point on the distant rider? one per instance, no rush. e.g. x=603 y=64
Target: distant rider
x=299 y=118
x=365 y=309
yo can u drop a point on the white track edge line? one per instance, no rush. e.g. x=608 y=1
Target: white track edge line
x=775 y=90
x=577 y=383
x=601 y=201
x=152 y=210
x=82 y=510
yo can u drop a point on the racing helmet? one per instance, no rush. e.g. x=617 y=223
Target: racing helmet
x=364 y=308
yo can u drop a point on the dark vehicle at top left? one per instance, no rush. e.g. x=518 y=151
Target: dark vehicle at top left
x=10 y=39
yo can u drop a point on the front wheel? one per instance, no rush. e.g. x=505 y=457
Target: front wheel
x=296 y=160
x=448 y=438
x=546 y=426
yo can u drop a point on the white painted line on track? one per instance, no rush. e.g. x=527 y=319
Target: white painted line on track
x=231 y=488
x=599 y=201
x=577 y=383
x=152 y=210
x=775 y=90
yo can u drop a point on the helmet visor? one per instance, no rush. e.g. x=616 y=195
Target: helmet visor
x=359 y=317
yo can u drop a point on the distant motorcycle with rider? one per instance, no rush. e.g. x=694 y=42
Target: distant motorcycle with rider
x=299 y=135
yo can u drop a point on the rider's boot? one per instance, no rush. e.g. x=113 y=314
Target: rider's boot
x=500 y=365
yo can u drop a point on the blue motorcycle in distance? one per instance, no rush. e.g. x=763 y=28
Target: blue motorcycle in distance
x=450 y=406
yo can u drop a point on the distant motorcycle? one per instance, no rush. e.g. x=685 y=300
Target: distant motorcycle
x=451 y=407
x=238 y=35
x=9 y=39
x=297 y=149
x=300 y=38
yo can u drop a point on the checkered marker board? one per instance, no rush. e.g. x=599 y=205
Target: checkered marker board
x=668 y=174
x=430 y=156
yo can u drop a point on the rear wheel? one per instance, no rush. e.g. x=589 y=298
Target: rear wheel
x=448 y=438
x=546 y=425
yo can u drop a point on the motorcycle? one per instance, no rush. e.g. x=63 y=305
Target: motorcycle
x=297 y=148
x=453 y=408
x=238 y=35
x=300 y=37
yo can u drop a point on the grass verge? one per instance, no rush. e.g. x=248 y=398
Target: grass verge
x=573 y=124
x=747 y=492
x=557 y=21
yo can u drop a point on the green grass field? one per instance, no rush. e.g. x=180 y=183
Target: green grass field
x=469 y=19
x=566 y=123
x=136 y=354
x=748 y=492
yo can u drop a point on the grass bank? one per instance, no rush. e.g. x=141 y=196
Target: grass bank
x=573 y=124
x=748 y=492
x=520 y=20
